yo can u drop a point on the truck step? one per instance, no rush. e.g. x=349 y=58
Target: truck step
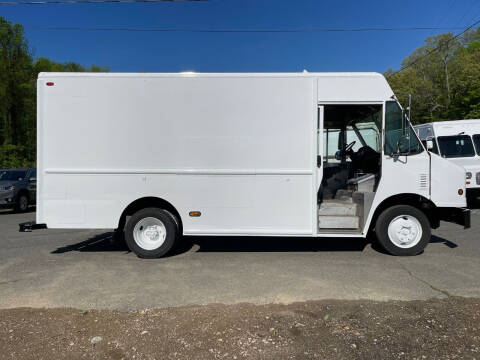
x=338 y=222
x=344 y=195
x=336 y=207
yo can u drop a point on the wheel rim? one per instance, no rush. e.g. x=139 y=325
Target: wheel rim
x=405 y=231
x=23 y=203
x=149 y=233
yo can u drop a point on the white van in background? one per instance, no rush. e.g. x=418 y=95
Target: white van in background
x=459 y=142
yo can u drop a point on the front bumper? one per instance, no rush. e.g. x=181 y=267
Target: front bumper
x=473 y=192
x=7 y=199
x=460 y=216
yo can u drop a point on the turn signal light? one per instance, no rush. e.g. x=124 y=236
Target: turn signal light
x=460 y=192
x=194 y=213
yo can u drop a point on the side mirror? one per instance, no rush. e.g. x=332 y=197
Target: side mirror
x=429 y=144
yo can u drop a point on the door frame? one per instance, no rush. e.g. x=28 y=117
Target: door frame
x=319 y=171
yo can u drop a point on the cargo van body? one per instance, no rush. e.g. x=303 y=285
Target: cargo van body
x=236 y=155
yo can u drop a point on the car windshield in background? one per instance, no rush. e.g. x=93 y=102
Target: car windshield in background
x=12 y=175
x=476 y=141
x=456 y=146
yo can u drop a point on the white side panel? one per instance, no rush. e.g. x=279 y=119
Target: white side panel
x=178 y=123
x=447 y=179
x=237 y=149
x=405 y=175
x=353 y=89
x=402 y=175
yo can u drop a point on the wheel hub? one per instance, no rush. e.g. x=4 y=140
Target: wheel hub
x=23 y=203
x=149 y=233
x=405 y=231
x=153 y=232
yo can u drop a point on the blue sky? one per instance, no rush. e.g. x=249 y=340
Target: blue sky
x=245 y=52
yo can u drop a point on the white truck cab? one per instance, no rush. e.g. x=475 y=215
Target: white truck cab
x=282 y=154
x=459 y=142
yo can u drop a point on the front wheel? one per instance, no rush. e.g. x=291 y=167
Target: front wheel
x=151 y=232
x=403 y=230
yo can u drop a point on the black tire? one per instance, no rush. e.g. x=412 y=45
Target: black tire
x=171 y=237
x=21 y=203
x=394 y=212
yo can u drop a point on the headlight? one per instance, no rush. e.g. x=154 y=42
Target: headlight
x=468 y=175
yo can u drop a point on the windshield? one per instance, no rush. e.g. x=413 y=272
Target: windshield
x=12 y=175
x=476 y=141
x=456 y=146
x=370 y=133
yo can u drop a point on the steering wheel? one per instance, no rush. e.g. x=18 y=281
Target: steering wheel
x=350 y=146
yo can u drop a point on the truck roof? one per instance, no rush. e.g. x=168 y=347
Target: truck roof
x=330 y=87
x=452 y=123
x=451 y=127
x=191 y=73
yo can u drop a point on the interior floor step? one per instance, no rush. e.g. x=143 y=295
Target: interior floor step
x=337 y=207
x=343 y=194
x=338 y=222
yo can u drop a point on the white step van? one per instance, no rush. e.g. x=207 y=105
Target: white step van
x=459 y=142
x=160 y=155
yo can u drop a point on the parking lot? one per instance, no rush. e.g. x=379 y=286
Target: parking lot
x=88 y=270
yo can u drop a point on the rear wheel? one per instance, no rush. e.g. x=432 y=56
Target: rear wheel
x=403 y=230
x=151 y=232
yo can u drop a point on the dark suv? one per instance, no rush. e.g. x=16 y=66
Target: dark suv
x=18 y=188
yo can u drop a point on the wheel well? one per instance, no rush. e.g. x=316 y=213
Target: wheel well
x=415 y=200
x=146 y=202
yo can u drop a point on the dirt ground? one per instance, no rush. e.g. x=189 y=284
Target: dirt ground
x=439 y=328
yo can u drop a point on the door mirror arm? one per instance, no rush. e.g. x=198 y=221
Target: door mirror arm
x=399 y=145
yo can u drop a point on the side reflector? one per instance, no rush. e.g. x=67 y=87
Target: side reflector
x=460 y=192
x=194 y=213
x=50 y=83
x=468 y=182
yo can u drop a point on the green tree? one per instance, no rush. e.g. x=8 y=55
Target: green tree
x=15 y=84
x=443 y=77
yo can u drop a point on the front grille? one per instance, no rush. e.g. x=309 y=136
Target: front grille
x=478 y=178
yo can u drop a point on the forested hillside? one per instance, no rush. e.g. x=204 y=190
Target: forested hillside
x=18 y=74
x=443 y=77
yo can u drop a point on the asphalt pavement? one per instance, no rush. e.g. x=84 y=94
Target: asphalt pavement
x=86 y=269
